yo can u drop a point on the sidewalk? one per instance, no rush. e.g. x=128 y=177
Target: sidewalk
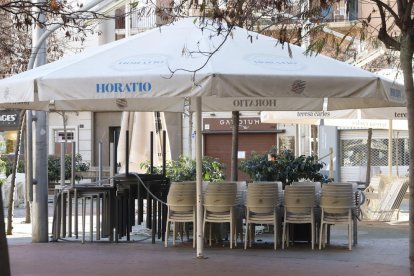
x=382 y=250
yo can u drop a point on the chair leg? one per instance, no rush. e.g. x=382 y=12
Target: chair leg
x=288 y=234
x=174 y=232
x=313 y=235
x=98 y=217
x=284 y=235
x=349 y=236
x=194 y=232
x=83 y=218
x=210 y=233
x=246 y=234
x=320 y=235
x=251 y=234
x=167 y=233
x=231 y=234
x=91 y=220
x=275 y=235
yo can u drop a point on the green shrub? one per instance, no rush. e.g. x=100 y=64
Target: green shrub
x=285 y=168
x=54 y=167
x=184 y=169
x=6 y=165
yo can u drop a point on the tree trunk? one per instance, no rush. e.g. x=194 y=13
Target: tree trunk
x=406 y=55
x=4 y=250
x=13 y=178
x=26 y=194
x=234 y=145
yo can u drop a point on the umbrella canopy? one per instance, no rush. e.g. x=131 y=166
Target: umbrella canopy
x=248 y=72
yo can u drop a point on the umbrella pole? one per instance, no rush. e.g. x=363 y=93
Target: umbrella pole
x=200 y=242
x=127 y=153
x=390 y=148
x=164 y=152
x=151 y=152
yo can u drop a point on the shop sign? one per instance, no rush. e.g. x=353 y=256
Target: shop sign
x=245 y=124
x=9 y=119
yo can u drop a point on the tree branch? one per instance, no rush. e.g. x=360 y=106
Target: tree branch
x=381 y=6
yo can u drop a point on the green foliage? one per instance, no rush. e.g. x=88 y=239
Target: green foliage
x=285 y=168
x=184 y=169
x=54 y=167
x=6 y=165
x=2 y=170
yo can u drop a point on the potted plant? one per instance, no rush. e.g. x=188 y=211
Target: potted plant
x=54 y=167
x=283 y=166
x=184 y=169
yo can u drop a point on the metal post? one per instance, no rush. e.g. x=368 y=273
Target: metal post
x=390 y=148
x=152 y=152
x=100 y=169
x=199 y=175
x=29 y=156
x=127 y=153
x=164 y=152
x=73 y=165
x=331 y=169
x=40 y=194
x=369 y=147
x=62 y=165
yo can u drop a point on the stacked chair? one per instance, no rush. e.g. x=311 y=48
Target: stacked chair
x=219 y=207
x=317 y=185
x=299 y=203
x=181 y=203
x=337 y=204
x=262 y=207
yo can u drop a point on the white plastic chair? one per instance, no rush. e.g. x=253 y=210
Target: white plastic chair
x=261 y=208
x=181 y=203
x=219 y=207
x=337 y=203
x=299 y=204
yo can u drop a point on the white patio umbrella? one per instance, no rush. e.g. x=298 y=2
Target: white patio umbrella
x=247 y=72
x=379 y=118
x=139 y=126
x=391 y=118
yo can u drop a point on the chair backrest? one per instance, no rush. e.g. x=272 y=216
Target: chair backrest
x=183 y=186
x=264 y=183
x=221 y=187
x=336 y=186
x=317 y=185
x=335 y=203
x=181 y=201
x=338 y=197
x=219 y=202
x=262 y=197
x=261 y=204
x=299 y=197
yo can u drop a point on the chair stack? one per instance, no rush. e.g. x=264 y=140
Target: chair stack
x=299 y=203
x=262 y=208
x=181 y=203
x=219 y=207
x=337 y=203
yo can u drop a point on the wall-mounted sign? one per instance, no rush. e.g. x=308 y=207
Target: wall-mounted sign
x=245 y=125
x=9 y=119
